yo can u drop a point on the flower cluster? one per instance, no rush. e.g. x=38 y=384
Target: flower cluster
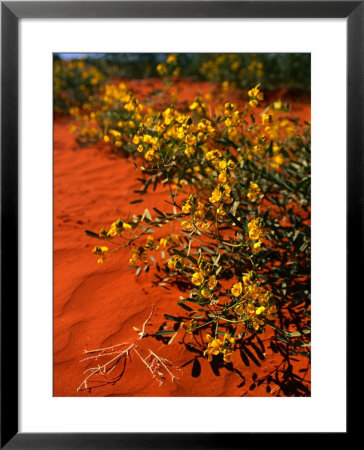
x=196 y=211
x=74 y=84
x=117 y=228
x=255 y=96
x=254 y=303
x=216 y=346
x=102 y=252
x=169 y=68
x=114 y=128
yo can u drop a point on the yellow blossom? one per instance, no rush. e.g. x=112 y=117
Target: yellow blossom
x=171 y=59
x=260 y=310
x=272 y=313
x=100 y=251
x=253 y=192
x=256 y=229
x=215 y=196
x=237 y=289
x=212 y=282
x=197 y=278
x=163 y=242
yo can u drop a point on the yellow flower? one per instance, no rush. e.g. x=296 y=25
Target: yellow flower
x=216 y=346
x=171 y=59
x=100 y=251
x=257 y=323
x=112 y=232
x=116 y=229
x=161 y=69
x=260 y=310
x=266 y=118
x=103 y=233
x=272 y=312
x=150 y=155
x=228 y=348
x=264 y=298
x=188 y=224
x=193 y=106
x=215 y=196
x=174 y=238
x=189 y=151
x=205 y=293
x=277 y=104
x=163 y=242
x=175 y=263
x=213 y=154
x=222 y=177
x=255 y=93
x=187 y=208
x=257 y=246
x=212 y=282
x=278 y=160
x=148 y=139
x=256 y=229
x=237 y=289
x=149 y=242
x=250 y=309
x=253 y=192
x=231 y=165
x=115 y=133
x=204 y=225
x=134 y=256
x=248 y=278
x=197 y=278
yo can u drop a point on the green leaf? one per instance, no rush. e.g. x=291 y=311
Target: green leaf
x=182 y=305
x=175 y=319
x=92 y=234
x=236 y=221
x=160 y=213
x=191 y=258
x=162 y=332
x=307 y=354
x=289 y=333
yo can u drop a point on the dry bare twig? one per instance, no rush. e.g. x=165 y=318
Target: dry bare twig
x=153 y=362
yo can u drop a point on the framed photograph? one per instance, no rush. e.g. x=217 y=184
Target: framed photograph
x=168 y=237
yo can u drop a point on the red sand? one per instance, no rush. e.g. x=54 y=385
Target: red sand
x=98 y=306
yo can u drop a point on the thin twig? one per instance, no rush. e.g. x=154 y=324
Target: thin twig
x=106 y=368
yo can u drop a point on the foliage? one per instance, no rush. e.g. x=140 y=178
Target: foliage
x=238 y=178
x=73 y=84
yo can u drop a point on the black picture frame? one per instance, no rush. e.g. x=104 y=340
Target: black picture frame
x=11 y=12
